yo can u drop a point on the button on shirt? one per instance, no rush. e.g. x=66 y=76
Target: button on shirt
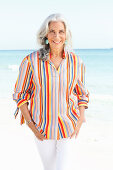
x=54 y=95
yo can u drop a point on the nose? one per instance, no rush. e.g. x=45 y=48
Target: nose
x=56 y=34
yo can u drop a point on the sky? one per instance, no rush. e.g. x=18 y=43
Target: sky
x=91 y=22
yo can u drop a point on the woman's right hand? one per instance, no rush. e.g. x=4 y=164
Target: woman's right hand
x=36 y=132
x=26 y=113
x=39 y=135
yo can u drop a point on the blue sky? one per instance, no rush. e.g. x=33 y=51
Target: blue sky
x=91 y=22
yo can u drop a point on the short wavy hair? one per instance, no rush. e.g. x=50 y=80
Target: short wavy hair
x=41 y=35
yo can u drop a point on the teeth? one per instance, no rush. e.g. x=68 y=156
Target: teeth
x=56 y=42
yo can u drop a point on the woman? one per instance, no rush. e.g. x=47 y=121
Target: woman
x=52 y=79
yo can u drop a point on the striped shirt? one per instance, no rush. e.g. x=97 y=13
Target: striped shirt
x=54 y=95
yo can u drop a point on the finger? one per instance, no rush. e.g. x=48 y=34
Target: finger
x=73 y=135
x=40 y=138
x=43 y=137
x=77 y=134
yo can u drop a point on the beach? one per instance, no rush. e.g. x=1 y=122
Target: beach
x=94 y=144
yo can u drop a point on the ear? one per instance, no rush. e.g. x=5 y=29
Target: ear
x=47 y=36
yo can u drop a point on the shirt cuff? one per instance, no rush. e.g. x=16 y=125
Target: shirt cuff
x=83 y=103
x=21 y=102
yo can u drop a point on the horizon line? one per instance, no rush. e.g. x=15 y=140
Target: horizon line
x=73 y=48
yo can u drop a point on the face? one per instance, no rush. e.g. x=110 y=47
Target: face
x=56 y=34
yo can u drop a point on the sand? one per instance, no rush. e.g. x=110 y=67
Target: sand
x=94 y=145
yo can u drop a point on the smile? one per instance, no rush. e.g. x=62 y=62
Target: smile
x=56 y=42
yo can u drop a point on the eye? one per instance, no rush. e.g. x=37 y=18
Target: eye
x=52 y=31
x=61 y=31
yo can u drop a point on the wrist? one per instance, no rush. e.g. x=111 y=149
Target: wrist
x=29 y=121
x=81 y=120
x=33 y=127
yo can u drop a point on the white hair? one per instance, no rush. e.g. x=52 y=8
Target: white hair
x=41 y=35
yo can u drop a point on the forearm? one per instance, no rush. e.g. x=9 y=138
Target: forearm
x=25 y=112
x=82 y=113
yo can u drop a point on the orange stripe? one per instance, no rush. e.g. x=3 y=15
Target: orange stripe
x=58 y=135
x=71 y=120
x=32 y=101
x=38 y=68
x=21 y=101
x=35 y=111
x=39 y=74
x=77 y=90
x=53 y=93
x=67 y=85
x=47 y=89
x=61 y=127
x=73 y=110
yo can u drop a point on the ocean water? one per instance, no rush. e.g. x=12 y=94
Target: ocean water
x=99 y=78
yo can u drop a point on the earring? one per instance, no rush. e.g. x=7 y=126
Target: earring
x=65 y=42
x=46 y=41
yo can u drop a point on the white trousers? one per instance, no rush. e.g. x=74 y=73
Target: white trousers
x=57 y=154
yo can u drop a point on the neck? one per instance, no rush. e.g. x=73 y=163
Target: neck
x=57 y=52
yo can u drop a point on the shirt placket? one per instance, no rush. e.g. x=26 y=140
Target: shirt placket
x=57 y=85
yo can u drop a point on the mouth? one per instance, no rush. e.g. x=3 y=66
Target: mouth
x=56 y=42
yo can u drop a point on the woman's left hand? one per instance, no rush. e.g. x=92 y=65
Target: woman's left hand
x=77 y=129
x=79 y=122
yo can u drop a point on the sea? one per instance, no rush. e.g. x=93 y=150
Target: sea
x=98 y=78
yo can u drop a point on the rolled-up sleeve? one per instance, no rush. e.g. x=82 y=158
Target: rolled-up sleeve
x=23 y=86
x=82 y=92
